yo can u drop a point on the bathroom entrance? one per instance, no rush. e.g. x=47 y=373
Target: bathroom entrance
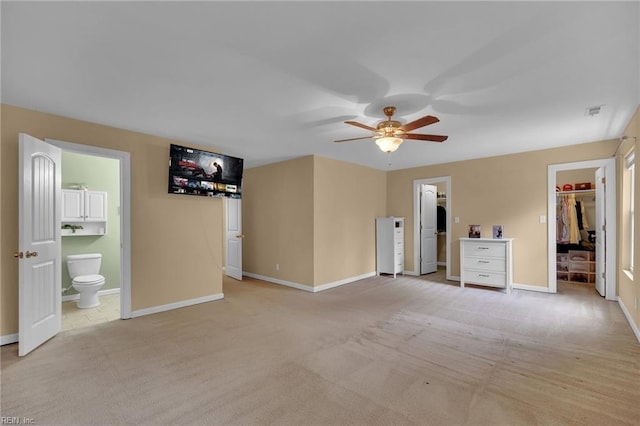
x=91 y=237
x=113 y=240
x=40 y=248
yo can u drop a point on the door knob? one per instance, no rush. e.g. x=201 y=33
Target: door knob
x=240 y=236
x=29 y=254
x=18 y=255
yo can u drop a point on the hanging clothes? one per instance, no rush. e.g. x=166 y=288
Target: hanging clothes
x=579 y=215
x=567 y=220
x=585 y=224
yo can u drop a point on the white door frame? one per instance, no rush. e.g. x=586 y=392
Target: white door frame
x=417 y=184
x=125 y=212
x=609 y=165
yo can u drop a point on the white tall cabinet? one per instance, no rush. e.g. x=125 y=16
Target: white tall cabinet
x=390 y=245
x=486 y=261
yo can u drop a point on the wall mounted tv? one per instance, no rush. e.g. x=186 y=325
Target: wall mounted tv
x=196 y=172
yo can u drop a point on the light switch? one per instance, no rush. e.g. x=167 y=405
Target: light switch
x=456 y=219
x=543 y=219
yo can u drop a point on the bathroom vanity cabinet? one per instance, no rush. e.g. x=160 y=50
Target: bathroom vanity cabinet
x=84 y=212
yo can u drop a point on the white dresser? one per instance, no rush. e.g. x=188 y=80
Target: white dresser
x=486 y=261
x=389 y=245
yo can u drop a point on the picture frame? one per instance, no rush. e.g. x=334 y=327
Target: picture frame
x=498 y=232
x=474 y=231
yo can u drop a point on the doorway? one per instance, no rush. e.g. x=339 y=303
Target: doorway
x=595 y=266
x=124 y=173
x=443 y=195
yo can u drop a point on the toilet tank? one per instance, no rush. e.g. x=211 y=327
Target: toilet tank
x=83 y=264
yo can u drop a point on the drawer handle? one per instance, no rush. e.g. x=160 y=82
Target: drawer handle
x=483 y=261
x=483 y=248
x=483 y=275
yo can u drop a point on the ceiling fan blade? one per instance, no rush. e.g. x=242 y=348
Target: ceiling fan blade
x=430 y=138
x=354 y=139
x=420 y=122
x=362 y=126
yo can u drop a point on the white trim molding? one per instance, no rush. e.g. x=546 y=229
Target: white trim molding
x=338 y=283
x=176 y=305
x=310 y=288
x=100 y=293
x=609 y=164
x=124 y=159
x=528 y=287
x=627 y=315
x=8 y=339
x=417 y=184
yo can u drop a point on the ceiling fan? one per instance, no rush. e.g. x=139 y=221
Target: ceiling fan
x=389 y=134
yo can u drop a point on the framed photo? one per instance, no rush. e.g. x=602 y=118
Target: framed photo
x=474 y=231
x=498 y=231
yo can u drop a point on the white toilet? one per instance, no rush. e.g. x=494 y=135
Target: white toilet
x=83 y=270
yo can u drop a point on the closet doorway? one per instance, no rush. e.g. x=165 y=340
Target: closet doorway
x=443 y=195
x=581 y=228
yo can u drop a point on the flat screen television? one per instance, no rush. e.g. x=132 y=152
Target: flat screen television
x=196 y=172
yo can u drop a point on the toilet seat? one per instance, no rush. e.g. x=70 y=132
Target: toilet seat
x=88 y=279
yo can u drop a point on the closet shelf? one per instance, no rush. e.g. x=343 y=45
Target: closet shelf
x=578 y=191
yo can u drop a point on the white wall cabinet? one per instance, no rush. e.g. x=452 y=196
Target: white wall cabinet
x=84 y=212
x=390 y=245
x=486 y=261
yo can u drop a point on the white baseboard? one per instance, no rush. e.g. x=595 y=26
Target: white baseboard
x=100 y=293
x=530 y=288
x=442 y=263
x=343 y=282
x=309 y=288
x=8 y=339
x=627 y=314
x=279 y=281
x=411 y=273
x=176 y=305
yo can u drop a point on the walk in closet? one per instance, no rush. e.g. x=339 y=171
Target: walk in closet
x=575 y=226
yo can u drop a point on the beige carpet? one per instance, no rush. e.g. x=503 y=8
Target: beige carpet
x=378 y=351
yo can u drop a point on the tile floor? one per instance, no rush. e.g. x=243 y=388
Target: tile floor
x=73 y=317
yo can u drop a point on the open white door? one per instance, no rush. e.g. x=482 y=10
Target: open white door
x=428 y=229
x=234 y=236
x=40 y=279
x=601 y=233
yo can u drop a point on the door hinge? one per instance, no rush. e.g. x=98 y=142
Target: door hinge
x=603 y=180
x=604 y=227
x=602 y=275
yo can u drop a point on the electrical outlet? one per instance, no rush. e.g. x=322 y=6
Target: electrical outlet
x=456 y=219
x=277 y=266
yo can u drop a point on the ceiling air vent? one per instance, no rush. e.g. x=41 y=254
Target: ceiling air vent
x=593 y=110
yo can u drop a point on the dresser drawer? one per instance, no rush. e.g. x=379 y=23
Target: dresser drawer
x=484 y=264
x=485 y=250
x=493 y=279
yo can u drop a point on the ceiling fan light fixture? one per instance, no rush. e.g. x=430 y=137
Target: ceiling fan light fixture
x=388 y=144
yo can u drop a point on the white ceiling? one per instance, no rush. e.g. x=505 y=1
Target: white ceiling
x=269 y=81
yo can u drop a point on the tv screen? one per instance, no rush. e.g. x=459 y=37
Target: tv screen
x=196 y=172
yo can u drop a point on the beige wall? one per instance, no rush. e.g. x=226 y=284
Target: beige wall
x=277 y=220
x=176 y=240
x=628 y=289
x=509 y=190
x=314 y=217
x=347 y=199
